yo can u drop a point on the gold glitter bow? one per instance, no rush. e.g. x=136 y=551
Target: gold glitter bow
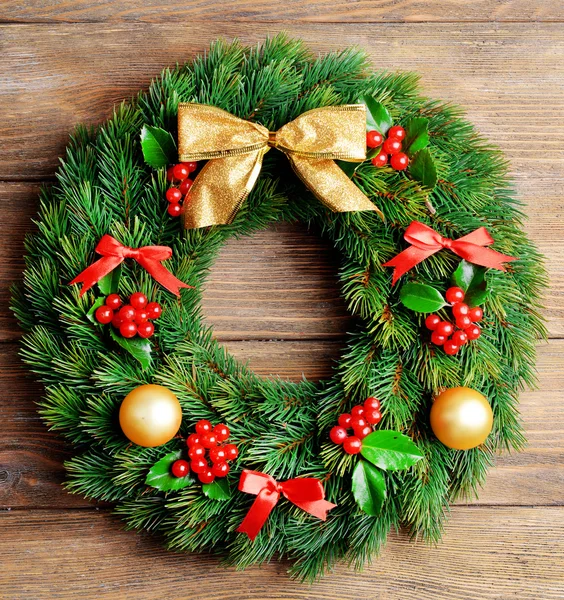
x=234 y=149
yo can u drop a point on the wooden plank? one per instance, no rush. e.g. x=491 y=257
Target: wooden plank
x=31 y=470
x=371 y=11
x=486 y=553
x=280 y=283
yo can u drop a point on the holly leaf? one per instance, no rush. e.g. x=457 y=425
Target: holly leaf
x=422 y=168
x=109 y=283
x=417 y=135
x=390 y=450
x=348 y=167
x=161 y=477
x=159 y=148
x=369 y=488
x=421 y=298
x=217 y=490
x=472 y=279
x=377 y=115
x=90 y=314
x=139 y=348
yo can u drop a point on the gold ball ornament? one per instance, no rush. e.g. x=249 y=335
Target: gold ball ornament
x=150 y=415
x=461 y=418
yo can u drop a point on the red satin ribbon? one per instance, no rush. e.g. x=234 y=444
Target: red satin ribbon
x=113 y=254
x=426 y=241
x=305 y=492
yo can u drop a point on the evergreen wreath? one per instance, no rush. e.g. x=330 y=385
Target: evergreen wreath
x=105 y=186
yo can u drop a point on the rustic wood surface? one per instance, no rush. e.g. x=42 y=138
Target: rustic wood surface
x=62 y=63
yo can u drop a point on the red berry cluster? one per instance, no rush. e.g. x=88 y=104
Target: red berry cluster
x=175 y=195
x=207 y=439
x=131 y=319
x=359 y=420
x=390 y=146
x=464 y=328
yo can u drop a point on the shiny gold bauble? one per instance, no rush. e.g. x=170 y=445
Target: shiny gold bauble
x=150 y=415
x=461 y=418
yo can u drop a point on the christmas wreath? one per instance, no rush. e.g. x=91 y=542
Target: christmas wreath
x=191 y=444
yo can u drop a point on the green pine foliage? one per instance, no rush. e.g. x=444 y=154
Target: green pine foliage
x=104 y=186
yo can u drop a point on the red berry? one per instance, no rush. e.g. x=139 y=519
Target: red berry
x=345 y=420
x=463 y=322
x=397 y=132
x=174 y=210
x=475 y=314
x=128 y=329
x=391 y=146
x=185 y=186
x=357 y=411
x=203 y=426
x=432 y=321
x=374 y=139
x=206 y=476
x=459 y=338
x=362 y=432
x=170 y=174
x=438 y=339
x=358 y=422
x=473 y=332
x=180 y=172
x=220 y=469
x=197 y=451
x=444 y=328
x=231 y=451
x=180 y=468
x=104 y=314
x=141 y=316
x=192 y=440
x=380 y=160
x=352 y=445
x=198 y=465
x=399 y=161
x=218 y=454
x=221 y=432
x=338 y=435
x=145 y=330
x=116 y=321
x=459 y=309
x=373 y=416
x=450 y=347
x=127 y=313
x=454 y=294
x=113 y=301
x=173 y=195
x=191 y=166
x=154 y=310
x=371 y=404
x=208 y=440
x=138 y=300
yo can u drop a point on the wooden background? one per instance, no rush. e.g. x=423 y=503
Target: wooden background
x=273 y=298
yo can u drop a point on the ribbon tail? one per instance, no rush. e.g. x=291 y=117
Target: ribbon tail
x=329 y=183
x=161 y=274
x=221 y=188
x=258 y=513
x=485 y=257
x=406 y=260
x=317 y=508
x=92 y=274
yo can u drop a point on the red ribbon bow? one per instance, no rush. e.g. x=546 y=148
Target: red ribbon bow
x=305 y=492
x=425 y=242
x=113 y=254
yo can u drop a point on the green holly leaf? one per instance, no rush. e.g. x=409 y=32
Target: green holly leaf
x=348 y=167
x=217 y=490
x=138 y=347
x=472 y=279
x=422 y=168
x=109 y=284
x=161 y=477
x=90 y=314
x=390 y=450
x=421 y=298
x=159 y=148
x=369 y=488
x=417 y=135
x=377 y=115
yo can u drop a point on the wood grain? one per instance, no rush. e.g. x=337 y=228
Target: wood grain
x=364 y=11
x=487 y=554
